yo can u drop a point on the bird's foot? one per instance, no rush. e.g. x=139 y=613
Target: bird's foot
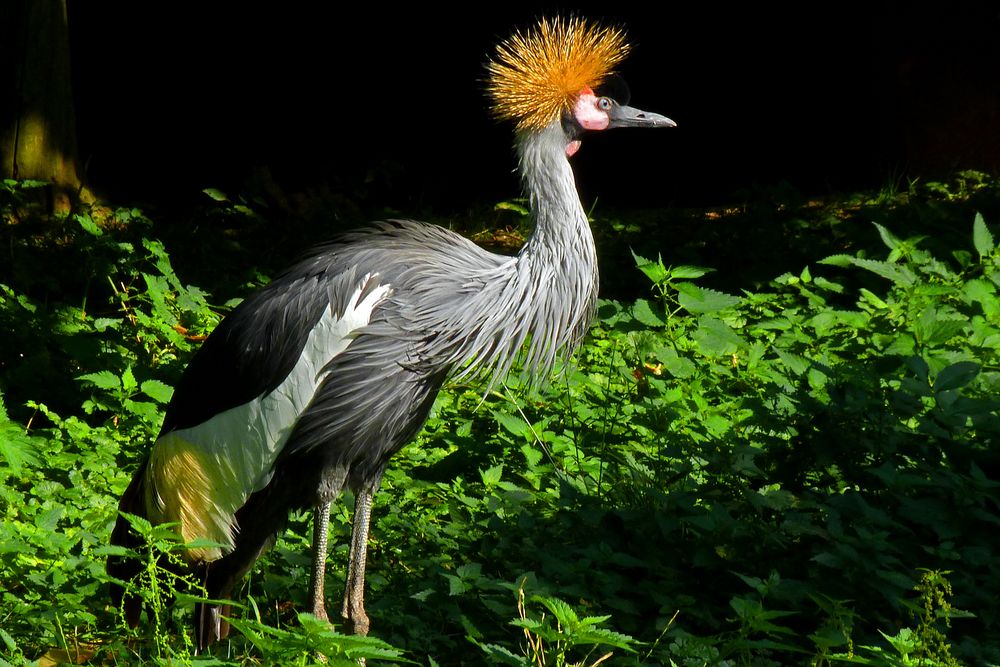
x=357 y=620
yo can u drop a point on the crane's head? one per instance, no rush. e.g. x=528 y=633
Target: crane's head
x=549 y=74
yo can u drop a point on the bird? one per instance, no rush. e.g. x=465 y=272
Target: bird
x=309 y=386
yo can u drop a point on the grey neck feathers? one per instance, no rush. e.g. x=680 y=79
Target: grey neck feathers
x=542 y=301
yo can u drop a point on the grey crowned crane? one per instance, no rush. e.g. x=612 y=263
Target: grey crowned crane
x=312 y=383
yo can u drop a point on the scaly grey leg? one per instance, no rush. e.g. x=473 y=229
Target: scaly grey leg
x=354 y=592
x=321 y=532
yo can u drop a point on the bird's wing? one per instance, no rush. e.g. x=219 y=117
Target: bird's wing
x=249 y=353
x=378 y=391
x=244 y=392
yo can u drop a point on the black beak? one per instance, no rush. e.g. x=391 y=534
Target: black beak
x=623 y=116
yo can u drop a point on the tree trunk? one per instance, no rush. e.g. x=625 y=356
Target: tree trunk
x=37 y=122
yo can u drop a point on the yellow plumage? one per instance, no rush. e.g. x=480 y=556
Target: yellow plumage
x=185 y=486
x=537 y=75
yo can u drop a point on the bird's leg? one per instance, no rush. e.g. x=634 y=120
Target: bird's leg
x=321 y=533
x=354 y=592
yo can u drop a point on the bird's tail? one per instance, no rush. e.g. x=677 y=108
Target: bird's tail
x=264 y=514
x=123 y=569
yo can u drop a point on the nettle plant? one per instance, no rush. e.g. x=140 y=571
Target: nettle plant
x=848 y=444
x=802 y=472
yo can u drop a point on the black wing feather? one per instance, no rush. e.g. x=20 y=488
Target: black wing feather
x=252 y=350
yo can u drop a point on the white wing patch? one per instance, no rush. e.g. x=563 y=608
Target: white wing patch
x=199 y=477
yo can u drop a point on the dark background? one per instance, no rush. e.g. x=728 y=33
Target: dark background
x=175 y=97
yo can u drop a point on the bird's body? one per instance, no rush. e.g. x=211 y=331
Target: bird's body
x=314 y=381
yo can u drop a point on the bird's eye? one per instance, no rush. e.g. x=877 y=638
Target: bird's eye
x=604 y=103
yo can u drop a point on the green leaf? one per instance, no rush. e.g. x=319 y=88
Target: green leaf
x=870 y=297
x=87 y=224
x=469 y=570
x=139 y=524
x=513 y=424
x=502 y=655
x=655 y=271
x=491 y=475
x=217 y=195
x=697 y=300
x=955 y=376
x=678 y=366
x=932 y=330
x=597 y=620
x=904 y=641
x=715 y=338
x=604 y=637
x=129 y=384
x=456 y=586
x=103 y=323
x=824 y=322
x=828 y=285
x=795 y=363
x=8 y=641
x=531 y=455
x=981 y=237
x=838 y=260
x=898 y=274
x=888 y=237
x=102 y=380
x=516 y=207
x=643 y=312
x=49 y=519
x=158 y=391
x=17 y=448
x=686 y=272
x=560 y=609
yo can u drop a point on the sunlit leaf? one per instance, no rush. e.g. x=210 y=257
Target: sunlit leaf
x=699 y=300
x=158 y=391
x=102 y=380
x=655 y=271
x=715 y=337
x=982 y=239
x=644 y=312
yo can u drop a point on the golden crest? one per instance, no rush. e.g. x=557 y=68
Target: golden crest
x=537 y=75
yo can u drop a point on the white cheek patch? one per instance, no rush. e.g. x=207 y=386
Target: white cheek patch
x=200 y=476
x=588 y=115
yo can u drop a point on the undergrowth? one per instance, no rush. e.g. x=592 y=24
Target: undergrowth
x=804 y=471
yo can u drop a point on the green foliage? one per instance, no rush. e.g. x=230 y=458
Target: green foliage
x=552 y=636
x=160 y=584
x=924 y=645
x=314 y=642
x=799 y=471
x=60 y=476
x=895 y=400
x=56 y=496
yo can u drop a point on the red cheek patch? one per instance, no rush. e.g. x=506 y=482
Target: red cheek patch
x=587 y=114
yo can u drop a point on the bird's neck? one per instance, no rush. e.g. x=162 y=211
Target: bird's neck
x=537 y=306
x=561 y=225
x=557 y=266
